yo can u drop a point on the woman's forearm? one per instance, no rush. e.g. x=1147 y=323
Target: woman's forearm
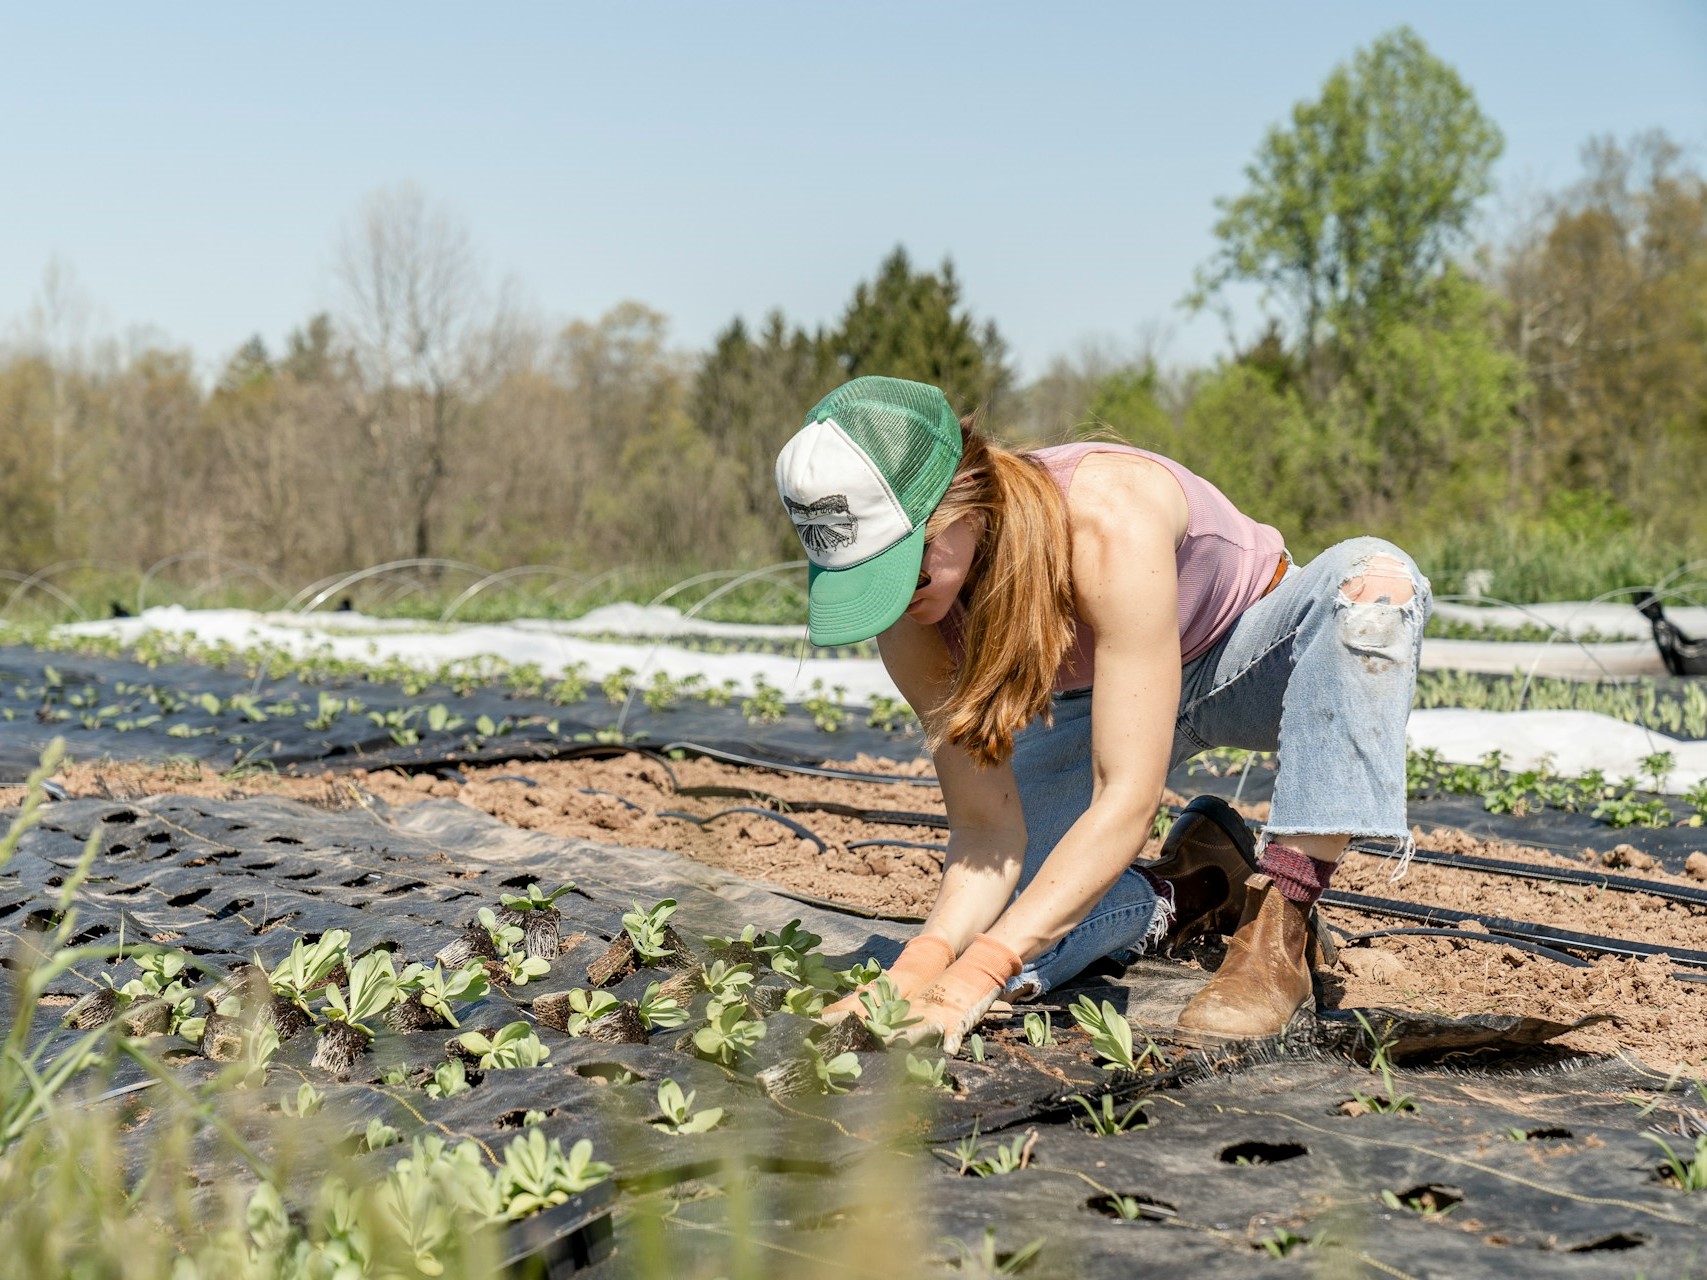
x=1079 y=870
x=980 y=872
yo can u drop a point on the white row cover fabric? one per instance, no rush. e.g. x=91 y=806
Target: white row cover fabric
x=1576 y=740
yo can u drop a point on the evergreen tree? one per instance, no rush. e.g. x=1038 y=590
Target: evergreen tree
x=911 y=324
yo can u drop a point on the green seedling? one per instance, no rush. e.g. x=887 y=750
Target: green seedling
x=727 y=983
x=1039 y=1030
x=1106 y=1121
x=531 y=1118
x=536 y=1174
x=728 y=1036
x=440 y=719
x=1686 y=1172
x=505 y=937
x=587 y=1007
x=511 y=1047
x=833 y=1074
x=889 y=714
x=931 y=1074
x=975 y=1046
x=379 y=1135
x=659 y=1010
x=1283 y=1242
x=884 y=1013
x=791 y=938
x=646 y=929
x=1389 y=1101
x=1111 y=1035
x=827 y=712
x=766 y=706
x=449 y=1079
x=617 y=684
x=1425 y=1202
x=993 y=1161
x=326 y=712
x=986 y=1262
x=307 y=1102
x=679 y=1115
x=803 y=1002
x=534 y=899
x=662 y=692
x=858 y=975
x=373 y=988
x=437 y=989
x=520 y=968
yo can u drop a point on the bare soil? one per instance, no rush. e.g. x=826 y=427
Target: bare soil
x=630 y=800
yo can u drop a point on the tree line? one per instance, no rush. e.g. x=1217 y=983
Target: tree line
x=1546 y=390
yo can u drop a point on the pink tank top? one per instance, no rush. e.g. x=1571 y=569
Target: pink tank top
x=1226 y=561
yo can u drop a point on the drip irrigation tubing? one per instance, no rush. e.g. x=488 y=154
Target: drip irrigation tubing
x=1564 y=939
x=1566 y=875
x=1522 y=944
x=804 y=832
x=788 y=766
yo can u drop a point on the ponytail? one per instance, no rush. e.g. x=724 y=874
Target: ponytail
x=1020 y=616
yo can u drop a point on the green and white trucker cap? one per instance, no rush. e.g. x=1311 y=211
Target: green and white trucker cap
x=859 y=481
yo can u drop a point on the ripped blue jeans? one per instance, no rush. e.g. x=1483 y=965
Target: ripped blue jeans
x=1307 y=672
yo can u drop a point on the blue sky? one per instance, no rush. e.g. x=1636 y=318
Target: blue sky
x=193 y=163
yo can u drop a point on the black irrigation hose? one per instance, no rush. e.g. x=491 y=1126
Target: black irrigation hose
x=805 y=833
x=900 y=844
x=1565 y=939
x=785 y=766
x=1540 y=871
x=1522 y=944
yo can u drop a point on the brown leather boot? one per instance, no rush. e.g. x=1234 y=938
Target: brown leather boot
x=1265 y=978
x=1207 y=857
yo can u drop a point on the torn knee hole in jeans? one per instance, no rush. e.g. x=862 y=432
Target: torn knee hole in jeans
x=1379 y=579
x=1375 y=603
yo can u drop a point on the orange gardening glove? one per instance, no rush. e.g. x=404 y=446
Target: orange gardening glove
x=921 y=962
x=952 y=1005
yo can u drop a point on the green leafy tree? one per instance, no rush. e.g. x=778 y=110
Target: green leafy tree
x=1355 y=207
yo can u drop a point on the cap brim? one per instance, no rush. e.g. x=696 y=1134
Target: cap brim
x=845 y=606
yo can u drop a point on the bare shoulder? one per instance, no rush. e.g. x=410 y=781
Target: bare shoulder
x=1118 y=496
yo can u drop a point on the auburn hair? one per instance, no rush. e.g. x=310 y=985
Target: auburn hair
x=1019 y=596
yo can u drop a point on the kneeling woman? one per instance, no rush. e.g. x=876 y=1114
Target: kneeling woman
x=1069 y=624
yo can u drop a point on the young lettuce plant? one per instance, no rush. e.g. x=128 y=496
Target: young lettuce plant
x=512 y=1047
x=1111 y=1035
x=727 y=983
x=656 y=1009
x=449 y=1079
x=884 y=1013
x=431 y=991
x=679 y=1115
x=933 y=1075
x=537 y=914
x=536 y=1174
x=373 y=988
x=834 y=1073
x=649 y=932
x=728 y=1036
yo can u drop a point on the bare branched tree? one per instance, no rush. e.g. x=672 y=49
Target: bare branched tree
x=427 y=337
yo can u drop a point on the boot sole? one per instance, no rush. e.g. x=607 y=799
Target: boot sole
x=1303 y=1018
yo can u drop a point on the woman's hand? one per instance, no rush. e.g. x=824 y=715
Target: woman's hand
x=921 y=962
x=952 y=1005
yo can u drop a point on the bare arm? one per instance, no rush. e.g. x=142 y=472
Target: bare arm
x=986 y=841
x=1126 y=583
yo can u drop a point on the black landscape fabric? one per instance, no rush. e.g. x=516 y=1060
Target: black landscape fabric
x=1521 y=1165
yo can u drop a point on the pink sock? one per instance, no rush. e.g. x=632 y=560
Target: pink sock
x=1299 y=877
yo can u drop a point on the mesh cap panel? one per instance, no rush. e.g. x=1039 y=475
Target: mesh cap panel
x=909 y=431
